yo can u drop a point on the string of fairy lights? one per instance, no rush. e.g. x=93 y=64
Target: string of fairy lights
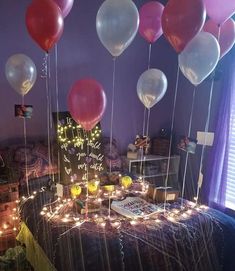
x=77 y=136
x=67 y=209
x=60 y=212
x=63 y=210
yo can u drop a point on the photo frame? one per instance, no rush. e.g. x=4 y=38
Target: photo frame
x=23 y=111
x=187 y=144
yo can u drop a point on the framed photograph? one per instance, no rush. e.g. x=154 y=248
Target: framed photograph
x=187 y=144
x=23 y=111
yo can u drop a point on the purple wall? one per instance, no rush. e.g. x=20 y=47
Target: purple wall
x=80 y=54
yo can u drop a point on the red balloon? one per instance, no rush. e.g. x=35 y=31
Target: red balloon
x=44 y=22
x=182 y=20
x=87 y=103
x=226 y=38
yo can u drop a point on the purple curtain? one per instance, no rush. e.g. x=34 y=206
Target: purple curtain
x=216 y=169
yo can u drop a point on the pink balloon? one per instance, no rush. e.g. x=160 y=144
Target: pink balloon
x=227 y=34
x=87 y=103
x=65 y=6
x=220 y=10
x=150 y=27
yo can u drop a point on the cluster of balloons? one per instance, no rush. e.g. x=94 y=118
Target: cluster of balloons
x=200 y=45
x=117 y=23
x=45 y=21
x=225 y=34
x=152 y=84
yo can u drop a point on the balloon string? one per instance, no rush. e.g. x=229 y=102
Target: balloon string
x=87 y=175
x=200 y=177
x=144 y=120
x=149 y=59
x=142 y=156
x=48 y=113
x=147 y=135
x=187 y=155
x=57 y=105
x=51 y=123
x=143 y=133
x=171 y=134
x=219 y=32
x=112 y=114
x=111 y=128
x=44 y=67
x=25 y=151
x=148 y=119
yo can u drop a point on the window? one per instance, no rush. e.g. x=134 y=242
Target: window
x=230 y=187
x=221 y=163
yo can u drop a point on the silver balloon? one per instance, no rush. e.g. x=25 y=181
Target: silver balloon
x=21 y=73
x=151 y=87
x=200 y=57
x=117 y=23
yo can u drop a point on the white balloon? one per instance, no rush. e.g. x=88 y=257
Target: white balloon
x=200 y=57
x=117 y=23
x=151 y=87
x=21 y=73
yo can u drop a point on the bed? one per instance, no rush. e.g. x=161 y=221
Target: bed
x=203 y=240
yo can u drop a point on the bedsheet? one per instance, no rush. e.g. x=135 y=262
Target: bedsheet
x=203 y=241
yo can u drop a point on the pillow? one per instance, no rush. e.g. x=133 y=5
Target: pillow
x=37 y=161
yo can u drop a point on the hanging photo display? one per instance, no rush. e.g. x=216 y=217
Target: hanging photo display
x=23 y=111
x=81 y=155
x=187 y=144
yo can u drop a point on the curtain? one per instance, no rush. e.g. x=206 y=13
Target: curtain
x=216 y=169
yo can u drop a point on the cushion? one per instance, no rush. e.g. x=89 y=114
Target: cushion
x=37 y=161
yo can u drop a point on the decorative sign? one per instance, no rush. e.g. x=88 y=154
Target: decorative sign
x=81 y=156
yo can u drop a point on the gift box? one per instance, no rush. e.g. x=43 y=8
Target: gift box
x=80 y=207
x=160 y=194
x=132 y=155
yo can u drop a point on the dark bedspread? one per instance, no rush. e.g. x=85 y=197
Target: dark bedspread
x=203 y=242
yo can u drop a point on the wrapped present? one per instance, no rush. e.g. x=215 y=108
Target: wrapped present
x=132 y=152
x=80 y=207
x=132 y=155
x=160 y=194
